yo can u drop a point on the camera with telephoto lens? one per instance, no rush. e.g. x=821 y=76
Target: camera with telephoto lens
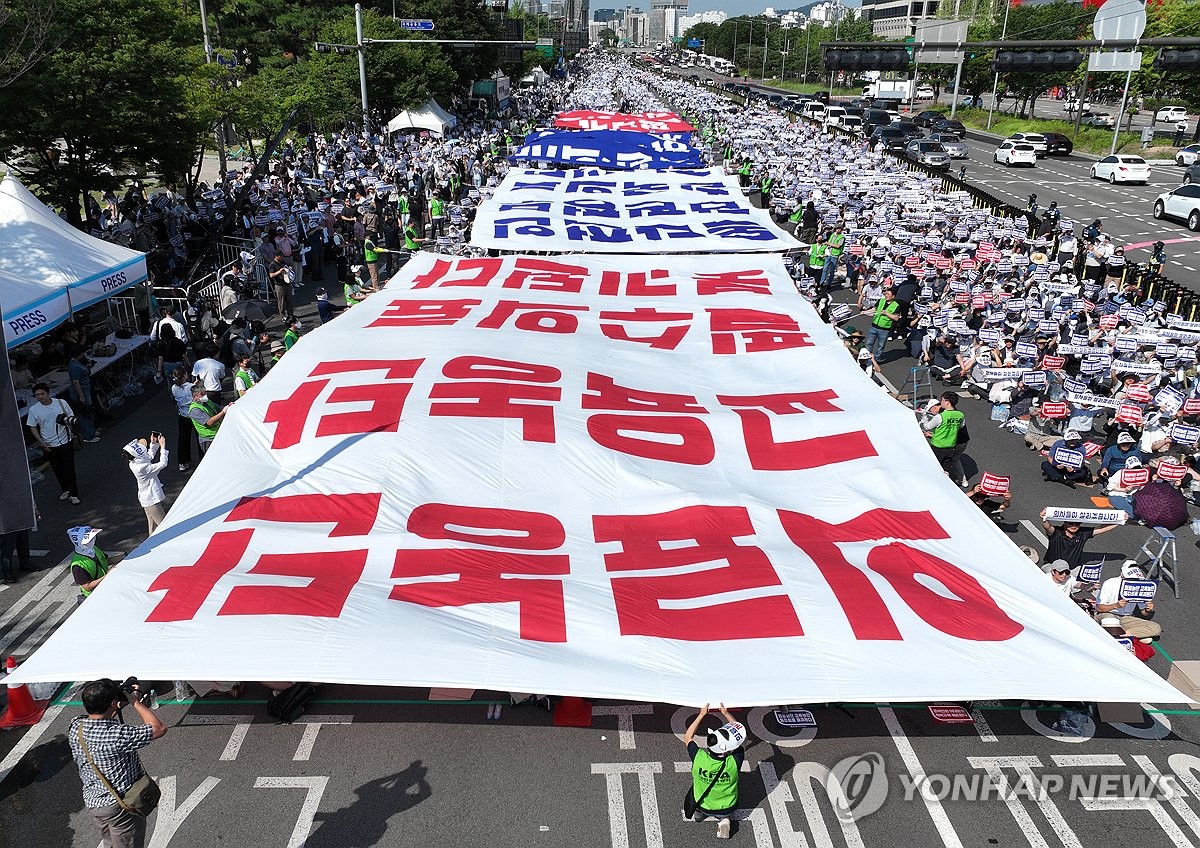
x=69 y=421
x=132 y=689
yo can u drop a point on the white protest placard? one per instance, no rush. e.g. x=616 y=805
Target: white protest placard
x=599 y=211
x=795 y=718
x=1138 y=590
x=995 y=375
x=1085 y=516
x=1090 y=572
x=1067 y=458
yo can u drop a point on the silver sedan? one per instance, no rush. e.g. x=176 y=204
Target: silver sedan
x=956 y=148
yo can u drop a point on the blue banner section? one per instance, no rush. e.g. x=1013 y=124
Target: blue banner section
x=616 y=149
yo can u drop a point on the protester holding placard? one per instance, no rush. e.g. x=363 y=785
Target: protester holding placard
x=1130 y=598
x=1045 y=425
x=993 y=495
x=1066 y=579
x=1117 y=456
x=1065 y=462
x=1066 y=542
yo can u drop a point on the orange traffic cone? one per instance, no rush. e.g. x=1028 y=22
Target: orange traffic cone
x=573 y=712
x=22 y=710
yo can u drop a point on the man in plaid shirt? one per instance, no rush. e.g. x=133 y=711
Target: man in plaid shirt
x=113 y=746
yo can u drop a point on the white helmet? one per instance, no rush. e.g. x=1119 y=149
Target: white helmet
x=726 y=738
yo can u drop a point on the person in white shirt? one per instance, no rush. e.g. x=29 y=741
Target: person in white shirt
x=170 y=316
x=210 y=371
x=181 y=392
x=1134 y=615
x=55 y=438
x=147 y=458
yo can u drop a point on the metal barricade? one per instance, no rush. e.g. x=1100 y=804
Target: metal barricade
x=123 y=310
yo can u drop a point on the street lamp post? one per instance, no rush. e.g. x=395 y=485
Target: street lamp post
x=735 y=26
x=766 y=36
x=996 y=79
x=807 y=42
x=362 y=68
x=783 y=64
x=837 y=22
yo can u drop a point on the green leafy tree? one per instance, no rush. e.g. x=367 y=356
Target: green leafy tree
x=112 y=98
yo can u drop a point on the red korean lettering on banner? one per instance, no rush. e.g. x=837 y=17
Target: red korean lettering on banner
x=466 y=273
x=1138 y=392
x=750 y=281
x=612 y=324
x=1191 y=406
x=486 y=574
x=331 y=574
x=964 y=610
x=1132 y=478
x=1054 y=409
x=757 y=331
x=534 y=317
x=1108 y=322
x=1053 y=363
x=387 y=397
x=538 y=274
x=768 y=454
x=652 y=425
x=684 y=605
x=637 y=283
x=483 y=387
x=424 y=313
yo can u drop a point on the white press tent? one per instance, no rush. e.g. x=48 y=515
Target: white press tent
x=49 y=269
x=431 y=117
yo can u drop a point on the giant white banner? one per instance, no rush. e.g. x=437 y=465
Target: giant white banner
x=598 y=211
x=646 y=478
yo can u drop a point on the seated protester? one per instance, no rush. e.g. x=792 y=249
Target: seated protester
x=1042 y=432
x=1124 y=484
x=1156 y=439
x=1117 y=456
x=1059 y=466
x=993 y=506
x=943 y=360
x=1067 y=542
x=1083 y=417
x=1066 y=580
x=1134 y=616
x=325 y=309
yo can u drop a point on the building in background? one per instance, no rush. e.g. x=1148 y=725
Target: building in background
x=897 y=18
x=664 y=19
x=635 y=27
x=686 y=22
x=606 y=15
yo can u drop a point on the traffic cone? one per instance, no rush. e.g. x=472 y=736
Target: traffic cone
x=22 y=710
x=573 y=712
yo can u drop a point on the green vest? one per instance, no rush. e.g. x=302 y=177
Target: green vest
x=746 y=169
x=203 y=430
x=885 y=313
x=410 y=238
x=795 y=217
x=946 y=434
x=836 y=242
x=765 y=185
x=724 y=794
x=290 y=338
x=95 y=567
x=247 y=377
x=369 y=252
x=402 y=205
x=437 y=208
x=816 y=256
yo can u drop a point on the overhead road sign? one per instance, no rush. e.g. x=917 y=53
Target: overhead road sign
x=416 y=25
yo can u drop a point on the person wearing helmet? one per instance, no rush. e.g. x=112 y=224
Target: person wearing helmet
x=715 y=771
x=1158 y=257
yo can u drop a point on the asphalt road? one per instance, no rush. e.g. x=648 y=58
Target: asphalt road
x=387 y=767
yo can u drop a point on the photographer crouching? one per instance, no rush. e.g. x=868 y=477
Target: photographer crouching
x=116 y=789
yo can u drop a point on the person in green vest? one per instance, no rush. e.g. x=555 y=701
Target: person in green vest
x=402 y=208
x=744 y=172
x=943 y=425
x=833 y=252
x=764 y=189
x=89 y=564
x=816 y=259
x=437 y=215
x=371 y=253
x=715 y=771
x=244 y=377
x=412 y=242
x=206 y=418
x=292 y=334
x=887 y=309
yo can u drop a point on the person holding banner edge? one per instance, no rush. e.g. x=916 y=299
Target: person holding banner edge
x=715 y=771
x=1067 y=542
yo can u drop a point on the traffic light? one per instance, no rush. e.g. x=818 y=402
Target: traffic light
x=342 y=49
x=1036 y=61
x=866 y=60
x=1177 y=60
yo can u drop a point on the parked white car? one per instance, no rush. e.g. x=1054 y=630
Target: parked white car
x=1171 y=113
x=1187 y=155
x=814 y=109
x=1182 y=203
x=924 y=92
x=1035 y=140
x=834 y=115
x=1015 y=153
x=851 y=123
x=1122 y=169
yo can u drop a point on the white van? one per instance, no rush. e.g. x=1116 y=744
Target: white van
x=834 y=115
x=814 y=109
